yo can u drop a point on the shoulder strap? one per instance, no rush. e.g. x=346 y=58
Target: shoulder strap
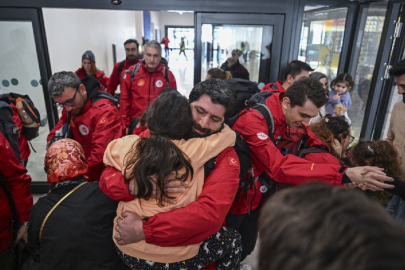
x=165 y=71
x=13 y=209
x=121 y=67
x=56 y=205
x=135 y=71
x=263 y=110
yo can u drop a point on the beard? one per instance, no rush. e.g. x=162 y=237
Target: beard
x=204 y=131
x=132 y=58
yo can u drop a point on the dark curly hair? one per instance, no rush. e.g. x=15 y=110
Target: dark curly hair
x=306 y=88
x=381 y=154
x=168 y=118
x=217 y=90
x=330 y=128
x=398 y=69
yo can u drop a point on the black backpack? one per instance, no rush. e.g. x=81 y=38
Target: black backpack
x=242 y=91
x=245 y=161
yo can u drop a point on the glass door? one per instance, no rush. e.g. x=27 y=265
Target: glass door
x=24 y=70
x=239 y=39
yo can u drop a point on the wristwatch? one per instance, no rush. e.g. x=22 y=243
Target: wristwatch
x=25 y=223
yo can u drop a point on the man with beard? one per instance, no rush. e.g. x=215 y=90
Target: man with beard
x=211 y=103
x=131 y=51
x=91 y=116
x=396 y=130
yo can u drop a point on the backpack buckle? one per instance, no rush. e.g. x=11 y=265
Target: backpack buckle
x=15 y=130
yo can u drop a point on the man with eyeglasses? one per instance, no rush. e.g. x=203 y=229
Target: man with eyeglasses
x=131 y=51
x=234 y=67
x=91 y=116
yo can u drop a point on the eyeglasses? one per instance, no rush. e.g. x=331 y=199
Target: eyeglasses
x=130 y=49
x=69 y=102
x=351 y=138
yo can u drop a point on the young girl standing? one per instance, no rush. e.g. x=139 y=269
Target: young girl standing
x=340 y=93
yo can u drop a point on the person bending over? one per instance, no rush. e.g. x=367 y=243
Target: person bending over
x=149 y=161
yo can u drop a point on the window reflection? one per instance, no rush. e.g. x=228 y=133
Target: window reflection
x=322 y=38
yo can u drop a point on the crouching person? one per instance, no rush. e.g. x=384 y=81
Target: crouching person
x=71 y=227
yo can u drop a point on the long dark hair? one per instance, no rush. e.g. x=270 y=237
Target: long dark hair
x=168 y=118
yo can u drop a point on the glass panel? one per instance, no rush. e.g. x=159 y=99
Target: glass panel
x=250 y=45
x=322 y=38
x=19 y=73
x=175 y=35
x=365 y=55
x=395 y=97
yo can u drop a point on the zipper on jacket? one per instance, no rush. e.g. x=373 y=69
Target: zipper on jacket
x=154 y=85
x=150 y=79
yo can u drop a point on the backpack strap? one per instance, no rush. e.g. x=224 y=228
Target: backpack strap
x=56 y=205
x=135 y=71
x=13 y=209
x=121 y=67
x=265 y=111
x=165 y=71
x=8 y=128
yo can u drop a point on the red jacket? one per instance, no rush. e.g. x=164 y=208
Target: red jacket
x=115 y=78
x=94 y=129
x=22 y=141
x=18 y=182
x=195 y=222
x=275 y=88
x=267 y=157
x=100 y=76
x=137 y=95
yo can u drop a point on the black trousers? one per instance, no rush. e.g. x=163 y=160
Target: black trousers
x=7 y=261
x=247 y=226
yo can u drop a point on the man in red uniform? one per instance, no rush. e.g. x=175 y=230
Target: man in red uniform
x=293 y=72
x=211 y=103
x=291 y=109
x=14 y=178
x=138 y=92
x=94 y=118
x=131 y=51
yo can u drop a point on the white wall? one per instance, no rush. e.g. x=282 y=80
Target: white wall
x=174 y=18
x=155 y=22
x=71 y=32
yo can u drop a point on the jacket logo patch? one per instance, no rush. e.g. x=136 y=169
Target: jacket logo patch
x=262 y=136
x=84 y=130
x=103 y=121
x=141 y=82
x=233 y=161
x=159 y=83
x=7 y=145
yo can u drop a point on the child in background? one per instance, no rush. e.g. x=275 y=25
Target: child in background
x=340 y=93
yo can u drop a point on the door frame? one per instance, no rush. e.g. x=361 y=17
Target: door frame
x=35 y=17
x=236 y=19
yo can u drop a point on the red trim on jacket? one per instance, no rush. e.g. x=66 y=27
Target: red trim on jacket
x=18 y=183
x=115 y=78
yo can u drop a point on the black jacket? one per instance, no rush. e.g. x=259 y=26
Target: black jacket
x=78 y=233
